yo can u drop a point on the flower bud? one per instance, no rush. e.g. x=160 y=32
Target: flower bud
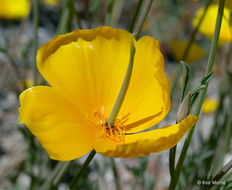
x=184 y=108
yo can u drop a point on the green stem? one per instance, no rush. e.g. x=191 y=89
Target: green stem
x=114 y=10
x=66 y=17
x=172 y=159
x=36 y=25
x=109 y=12
x=142 y=17
x=61 y=173
x=93 y=9
x=213 y=49
x=48 y=184
x=116 y=180
x=138 y=9
x=123 y=89
x=187 y=50
x=84 y=166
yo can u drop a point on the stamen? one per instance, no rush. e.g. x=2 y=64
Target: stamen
x=115 y=132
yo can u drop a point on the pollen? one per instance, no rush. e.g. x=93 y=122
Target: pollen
x=116 y=132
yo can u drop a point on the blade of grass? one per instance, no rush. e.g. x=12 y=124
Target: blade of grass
x=113 y=12
x=64 y=25
x=109 y=12
x=116 y=12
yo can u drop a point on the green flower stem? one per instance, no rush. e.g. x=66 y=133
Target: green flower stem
x=172 y=159
x=213 y=49
x=66 y=17
x=113 y=13
x=84 y=166
x=146 y=5
x=116 y=180
x=138 y=9
x=123 y=89
x=93 y=10
x=36 y=26
x=48 y=184
x=109 y=12
x=60 y=174
x=187 y=50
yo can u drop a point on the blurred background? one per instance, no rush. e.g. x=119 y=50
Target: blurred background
x=24 y=27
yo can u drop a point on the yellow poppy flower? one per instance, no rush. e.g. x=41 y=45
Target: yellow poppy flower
x=210 y=105
x=86 y=69
x=179 y=47
x=208 y=24
x=14 y=9
x=228 y=3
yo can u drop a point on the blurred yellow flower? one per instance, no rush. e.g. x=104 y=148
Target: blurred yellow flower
x=86 y=69
x=14 y=9
x=228 y=3
x=209 y=21
x=51 y=2
x=28 y=83
x=179 y=47
x=210 y=105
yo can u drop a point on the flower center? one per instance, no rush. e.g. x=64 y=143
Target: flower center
x=116 y=132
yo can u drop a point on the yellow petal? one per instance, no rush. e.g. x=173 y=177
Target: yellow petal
x=142 y=144
x=58 y=125
x=148 y=97
x=87 y=66
x=208 y=24
x=228 y=3
x=210 y=105
x=14 y=9
x=179 y=47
